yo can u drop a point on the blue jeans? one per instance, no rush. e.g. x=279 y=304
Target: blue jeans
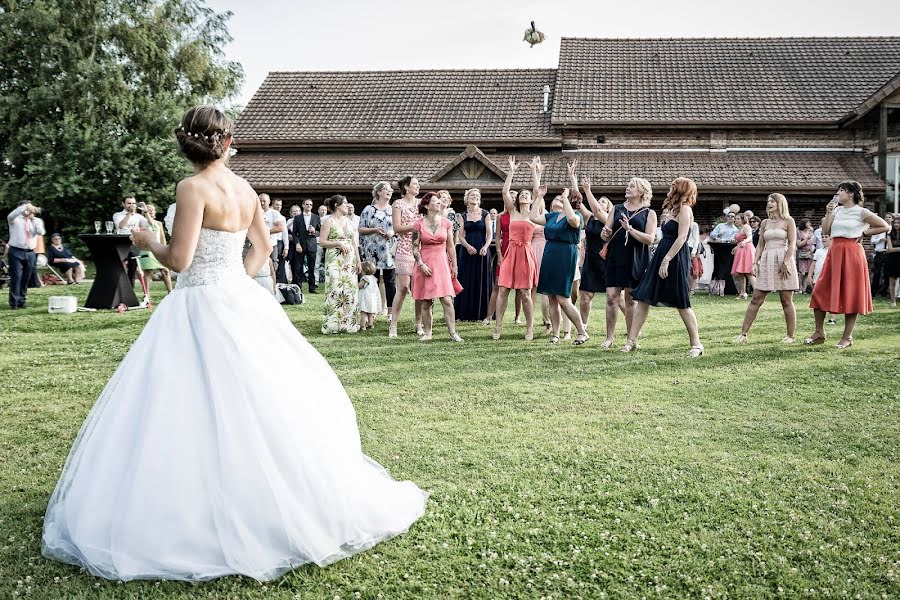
x=21 y=268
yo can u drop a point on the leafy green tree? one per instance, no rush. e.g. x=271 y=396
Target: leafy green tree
x=90 y=94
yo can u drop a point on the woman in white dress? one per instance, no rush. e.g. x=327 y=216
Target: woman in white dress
x=215 y=470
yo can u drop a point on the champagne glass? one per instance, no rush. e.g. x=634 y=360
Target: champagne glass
x=97 y=226
x=109 y=227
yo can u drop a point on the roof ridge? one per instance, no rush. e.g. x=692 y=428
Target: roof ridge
x=739 y=38
x=394 y=71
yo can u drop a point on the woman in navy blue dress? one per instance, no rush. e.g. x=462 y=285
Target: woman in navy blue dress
x=629 y=231
x=665 y=283
x=593 y=271
x=562 y=229
x=474 y=260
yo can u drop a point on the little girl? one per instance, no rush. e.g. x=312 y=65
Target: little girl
x=369 y=296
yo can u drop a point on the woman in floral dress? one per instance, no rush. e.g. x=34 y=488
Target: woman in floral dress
x=342 y=264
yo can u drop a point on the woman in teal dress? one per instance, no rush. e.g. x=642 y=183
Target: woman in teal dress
x=148 y=261
x=562 y=230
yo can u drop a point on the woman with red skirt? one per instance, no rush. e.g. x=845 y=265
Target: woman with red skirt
x=843 y=286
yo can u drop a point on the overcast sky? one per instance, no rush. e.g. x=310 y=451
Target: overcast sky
x=299 y=35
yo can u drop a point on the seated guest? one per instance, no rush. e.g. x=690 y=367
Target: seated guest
x=60 y=258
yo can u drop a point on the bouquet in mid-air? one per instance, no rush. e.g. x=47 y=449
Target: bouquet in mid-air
x=533 y=36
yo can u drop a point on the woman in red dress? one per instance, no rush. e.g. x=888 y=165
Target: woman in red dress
x=434 y=253
x=843 y=286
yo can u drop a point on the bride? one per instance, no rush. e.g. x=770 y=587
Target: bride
x=216 y=470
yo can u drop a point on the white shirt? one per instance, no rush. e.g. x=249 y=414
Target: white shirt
x=723 y=232
x=693 y=238
x=169 y=219
x=18 y=225
x=355 y=220
x=285 y=236
x=134 y=220
x=307 y=218
x=848 y=222
x=817 y=238
x=879 y=242
x=819 y=261
x=271 y=217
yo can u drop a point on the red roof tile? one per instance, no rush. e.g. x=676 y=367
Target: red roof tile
x=463 y=106
x=719 y=80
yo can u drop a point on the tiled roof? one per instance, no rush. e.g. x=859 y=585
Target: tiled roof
x=713 y=80
x=752 y=171
x=459 y=105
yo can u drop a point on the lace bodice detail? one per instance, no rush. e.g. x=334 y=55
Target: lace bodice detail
x=218 y=258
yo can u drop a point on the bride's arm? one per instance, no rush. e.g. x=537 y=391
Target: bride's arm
x=179 y=253
x=258 y=234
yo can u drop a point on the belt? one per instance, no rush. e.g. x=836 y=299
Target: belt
x=22 y=249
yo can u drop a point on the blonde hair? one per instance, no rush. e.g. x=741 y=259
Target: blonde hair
x=644 y=187
x=368 y=267
x=781 y=207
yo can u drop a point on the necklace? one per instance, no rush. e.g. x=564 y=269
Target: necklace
x=433 y=227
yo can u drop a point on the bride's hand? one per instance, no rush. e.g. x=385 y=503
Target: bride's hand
x=142 y=238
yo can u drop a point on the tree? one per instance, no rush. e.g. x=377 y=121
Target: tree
x=90 y=94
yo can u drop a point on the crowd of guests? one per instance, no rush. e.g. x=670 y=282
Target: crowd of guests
x=552 y=259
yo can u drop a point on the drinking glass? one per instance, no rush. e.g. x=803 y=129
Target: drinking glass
x=97 y=226
x=109 y=226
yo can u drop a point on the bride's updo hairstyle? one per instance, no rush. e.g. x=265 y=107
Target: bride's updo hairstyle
x=202 y=134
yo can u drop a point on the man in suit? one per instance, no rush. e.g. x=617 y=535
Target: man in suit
x=305 y=230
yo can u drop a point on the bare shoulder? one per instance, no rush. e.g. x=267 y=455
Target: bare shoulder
x=189 y=191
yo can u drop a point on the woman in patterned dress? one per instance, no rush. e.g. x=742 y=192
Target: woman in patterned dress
x=376 y=229
x=403 y=215
x=342 y=265
x=148 y=261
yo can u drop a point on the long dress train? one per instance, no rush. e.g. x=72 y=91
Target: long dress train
x=216 y=467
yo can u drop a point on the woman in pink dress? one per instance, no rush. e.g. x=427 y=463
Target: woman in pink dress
x=744 y=253
x=518 y=270
x=403 y=215
x=434 y=255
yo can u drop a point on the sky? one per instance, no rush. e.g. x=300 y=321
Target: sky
x=349 y=35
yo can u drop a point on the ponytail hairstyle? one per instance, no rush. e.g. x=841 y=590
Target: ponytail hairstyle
x=404 y=183
x=335 y=201
x=202 y=135
x=682 y=192
x=854 y=189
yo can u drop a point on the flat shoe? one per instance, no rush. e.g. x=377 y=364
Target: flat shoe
x=606 y=345
x=787 y=340
x=696 y=351
x=843 y=344
x=628 y=347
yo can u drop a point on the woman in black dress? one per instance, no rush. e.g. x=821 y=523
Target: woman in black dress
x=629 y=231
x=474 y=260
x=593 y=271
x=666 y=280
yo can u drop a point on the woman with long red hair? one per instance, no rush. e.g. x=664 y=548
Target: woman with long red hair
x=843 y=286
x=666 y=280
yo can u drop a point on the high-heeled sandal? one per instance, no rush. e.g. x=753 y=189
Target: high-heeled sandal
x=581 y=339
x=696 y=351
x=814 y=341
x=420 y=330
x=426 y=337
x=606 y=345
x=844 y=344
x=788 y=340
x=629 y=346
x=741 y=339
x=529 y=334
x=496 y=334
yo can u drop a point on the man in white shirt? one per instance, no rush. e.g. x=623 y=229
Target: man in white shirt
x=725 y=232
x=125 y=221
x=281 y=246
x=274 y=226
x=24 y=229
x=354 y=218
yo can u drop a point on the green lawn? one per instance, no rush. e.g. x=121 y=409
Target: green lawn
x=756 y=471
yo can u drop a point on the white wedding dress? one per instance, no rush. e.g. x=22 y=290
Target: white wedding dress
x=223 y=444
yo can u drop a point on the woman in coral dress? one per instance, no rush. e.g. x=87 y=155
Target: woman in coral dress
x=518 y=270
x=434 y=253
x=742 y=267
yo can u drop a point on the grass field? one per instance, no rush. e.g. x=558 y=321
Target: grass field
x=757 y=471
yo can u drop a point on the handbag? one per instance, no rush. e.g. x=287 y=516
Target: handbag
x=457 y=286
x=605 y=250
x=289 y=293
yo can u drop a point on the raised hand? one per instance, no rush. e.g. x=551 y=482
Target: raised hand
x=513 y=165
x=542 y=191
x=538 y=166
x=570 y=168
x=565 y=194
x=586 y=183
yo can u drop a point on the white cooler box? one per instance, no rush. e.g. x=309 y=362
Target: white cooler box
x=62 y=304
